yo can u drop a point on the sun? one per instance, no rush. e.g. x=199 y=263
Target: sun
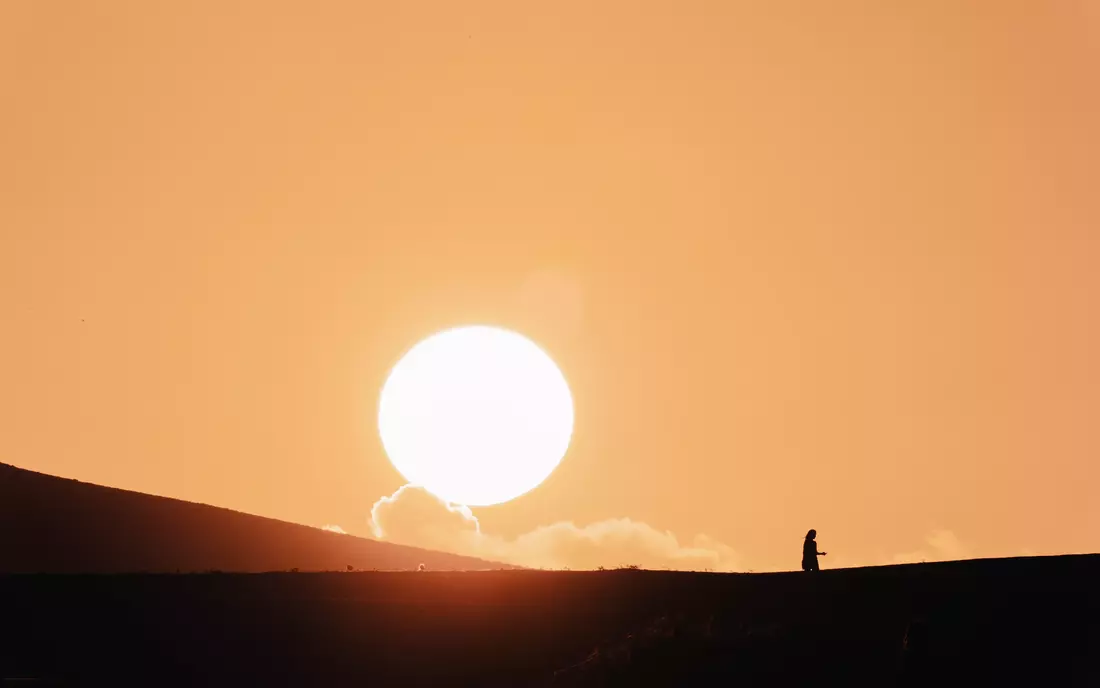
x=476 y=415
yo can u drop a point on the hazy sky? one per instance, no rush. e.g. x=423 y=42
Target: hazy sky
x=810 y=264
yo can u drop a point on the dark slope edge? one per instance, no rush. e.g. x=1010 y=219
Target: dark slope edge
x=56 y=525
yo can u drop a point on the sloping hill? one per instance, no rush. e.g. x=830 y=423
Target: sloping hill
x=55 y=525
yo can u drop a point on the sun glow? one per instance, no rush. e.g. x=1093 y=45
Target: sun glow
x=476 y=415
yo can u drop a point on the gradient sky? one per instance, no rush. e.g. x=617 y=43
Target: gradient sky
x=826 y=265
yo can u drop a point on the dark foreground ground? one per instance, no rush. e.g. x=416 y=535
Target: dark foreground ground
x=990 y=622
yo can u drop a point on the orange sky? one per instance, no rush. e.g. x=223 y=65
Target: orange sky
x=824 y=265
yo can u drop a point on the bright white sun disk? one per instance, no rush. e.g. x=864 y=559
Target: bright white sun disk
x=476 y=415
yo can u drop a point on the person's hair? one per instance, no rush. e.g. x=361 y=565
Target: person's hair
x=811 y=534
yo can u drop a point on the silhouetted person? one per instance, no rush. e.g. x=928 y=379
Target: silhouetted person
x=809 y=552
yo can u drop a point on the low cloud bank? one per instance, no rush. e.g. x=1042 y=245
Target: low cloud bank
x=940 y=545
x=334 y=529
x=413 y=516
x=943 y=545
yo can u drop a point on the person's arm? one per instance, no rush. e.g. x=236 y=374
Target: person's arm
x=821 y=554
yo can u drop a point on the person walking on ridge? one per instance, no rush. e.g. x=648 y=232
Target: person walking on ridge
x=810 y=553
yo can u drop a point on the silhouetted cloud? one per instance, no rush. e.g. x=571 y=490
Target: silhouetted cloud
x=412 y=516
x=334 y=529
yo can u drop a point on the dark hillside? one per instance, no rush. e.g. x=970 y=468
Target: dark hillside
x=55 y=525
x=987 y=622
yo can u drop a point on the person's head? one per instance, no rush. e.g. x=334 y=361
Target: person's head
x=811 y=535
